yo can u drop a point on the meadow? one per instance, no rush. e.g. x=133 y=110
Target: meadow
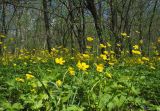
x=34 y=80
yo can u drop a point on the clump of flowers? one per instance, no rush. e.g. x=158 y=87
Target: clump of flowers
x=90 y=39
x=71 y=71
x=103 y=56
x=29 y=76
x=136 y=47
x=102 y=46
x=136 y=52
x=139 y=61
x=19 y=79
x=145 y=58
x=60 y=61
x=123 y=34
x=82 y=66
x=99 y=67
x=86 y=56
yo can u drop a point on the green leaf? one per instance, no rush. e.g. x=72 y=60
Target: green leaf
x=37 y=105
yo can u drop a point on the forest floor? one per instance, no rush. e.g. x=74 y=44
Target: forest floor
x=36 y=80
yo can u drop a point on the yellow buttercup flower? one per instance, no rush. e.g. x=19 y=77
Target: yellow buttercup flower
x=90 y=39
x=141 y=41
x=19 y=79
x=152 y=67
x=2 y=36
x=118 y=45
x=137 y=32
x=136 y=47
x=103 y=56
x=60 y=61
x=59 y=83
x=88 y=47
x=136 y=52
x=111 y=63
x=106 y=52
x=124 y=34
x=86 y=56
x=139 y=61
x=102 y=46
x=71 y=71
x=99 y=67
x=29 y=76
x=145 y=58
x=82 y=66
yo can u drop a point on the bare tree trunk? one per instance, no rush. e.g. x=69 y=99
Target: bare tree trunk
x=114 y=27
x=4 y=30
x=92 y=8
x=47 y=27
x=150 y=26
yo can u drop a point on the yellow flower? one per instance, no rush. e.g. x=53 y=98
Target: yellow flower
x=102 y=46
x=152 y=67
x=29 y=76
x=124 y=34
x=141 y=41
x=100 y=67
x=82 y=66
x=112 y=52
x=88 y=47
x=111 y=63
x=106 y=52
x=137 y=32
x=136 y=47
x=86 y=56
x=118 y=45
x=109 y=75
x=3 y=36
x=136 y=52
x=103 y=56
x=90 y=39
x=145 y=58
x=139 y=61
x=60 y=61
x=59 y=83
x=19 y=79
x=4 y=47
x=71 y=71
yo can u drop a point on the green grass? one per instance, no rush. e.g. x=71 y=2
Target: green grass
x=131 y=87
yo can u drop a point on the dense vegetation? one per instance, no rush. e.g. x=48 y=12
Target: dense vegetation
x=37 y=80
x=79 y=55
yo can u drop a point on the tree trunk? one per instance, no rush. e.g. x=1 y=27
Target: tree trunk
x=4 y=30
x=47 y=27
x=92 y=8
x=150 y=26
